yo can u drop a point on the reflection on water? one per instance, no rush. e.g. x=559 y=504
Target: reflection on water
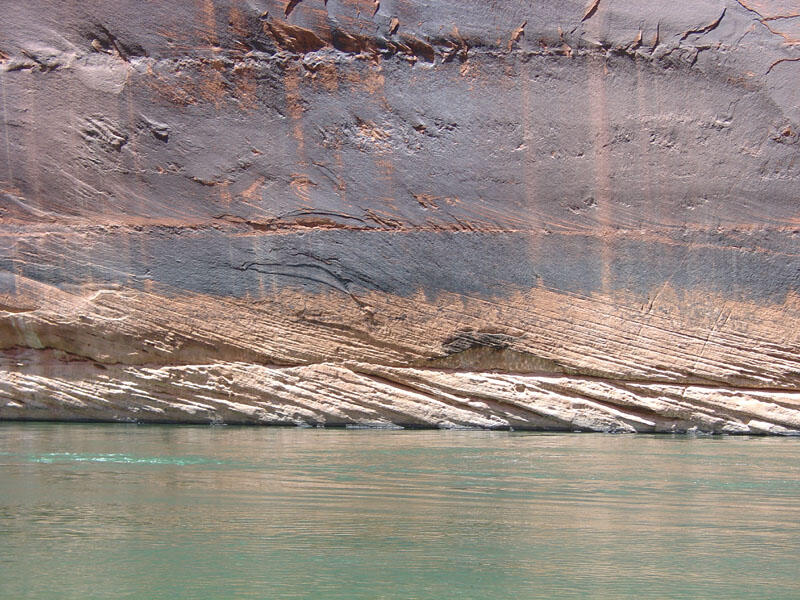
x=109 y=511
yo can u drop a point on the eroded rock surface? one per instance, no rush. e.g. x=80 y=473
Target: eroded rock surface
x=538 y=215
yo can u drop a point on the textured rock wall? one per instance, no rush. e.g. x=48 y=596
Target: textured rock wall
x=543 y=215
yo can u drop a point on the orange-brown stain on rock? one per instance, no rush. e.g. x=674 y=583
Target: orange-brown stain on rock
x=292 y=80
x=167 y=89
x=252 y=192
x=225 y=192
x=386 y=168
x=243 y=75
x=202 y=81
x=380 y=137
x=371 y=80
x=773 y=9
x=326 y=76
x=207 y=22
x=341 y=184
x=245 y=87
x=237 y=22
x=779 y=16
x=210 y=84
x=301 y=185
x=368 y=77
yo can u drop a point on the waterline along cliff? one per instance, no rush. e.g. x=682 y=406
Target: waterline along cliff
x=521 y=214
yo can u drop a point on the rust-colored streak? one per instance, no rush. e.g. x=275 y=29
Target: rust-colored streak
x=245 y=91
x=237 y=22
x=211 y=85
x=253 y=191
x=302 y=185
x=326 y=75
x=207 y=18
x=294 y=106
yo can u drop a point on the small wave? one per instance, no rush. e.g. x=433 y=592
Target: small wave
x=58 y=457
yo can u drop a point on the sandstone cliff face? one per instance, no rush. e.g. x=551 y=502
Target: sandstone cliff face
x=541 y=215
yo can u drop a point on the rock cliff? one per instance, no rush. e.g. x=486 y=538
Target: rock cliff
x=527 y=214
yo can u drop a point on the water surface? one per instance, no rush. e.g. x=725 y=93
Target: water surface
x=125 y=511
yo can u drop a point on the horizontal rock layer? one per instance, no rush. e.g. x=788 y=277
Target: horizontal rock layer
x=558 y=216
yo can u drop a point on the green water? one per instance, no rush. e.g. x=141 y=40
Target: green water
x=108 y=511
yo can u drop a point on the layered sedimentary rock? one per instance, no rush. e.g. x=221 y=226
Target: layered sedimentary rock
x=538 y=215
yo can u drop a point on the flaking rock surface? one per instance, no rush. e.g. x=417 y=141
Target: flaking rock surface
x=527 y=214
